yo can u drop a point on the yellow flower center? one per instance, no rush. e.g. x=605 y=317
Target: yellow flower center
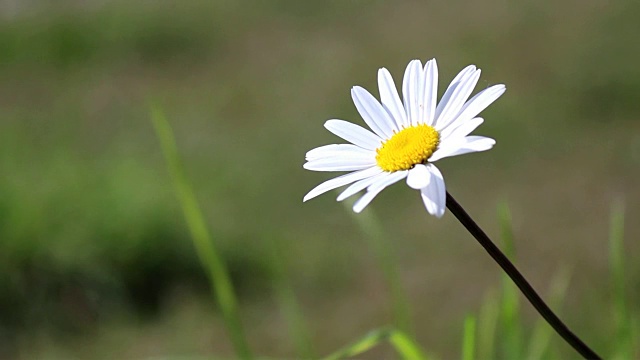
x=407 y=148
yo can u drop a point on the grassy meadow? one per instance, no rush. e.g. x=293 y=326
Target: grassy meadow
x=97 y=260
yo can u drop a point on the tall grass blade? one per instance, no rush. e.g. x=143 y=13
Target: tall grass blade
x=487 y=325
x=288 y=302
x=469 y=338
x=211 y=260
x=510 y=306
x=624 y=343
x=370 y=226
x=542 y=332
x=401 y=343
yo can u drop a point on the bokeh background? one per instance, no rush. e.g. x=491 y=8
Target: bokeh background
x=95 y=257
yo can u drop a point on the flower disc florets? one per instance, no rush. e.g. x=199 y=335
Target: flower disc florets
x=407 y=148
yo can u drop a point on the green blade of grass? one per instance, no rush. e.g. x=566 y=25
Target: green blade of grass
x=487 y=325
x=369 y=225
x=469 y=338
x=624 y=346
x=289 y=304
x=405 y=346
x=635 y=337
x=211 y=260
x=542 y=332
x=400 y=342
x=510 y=306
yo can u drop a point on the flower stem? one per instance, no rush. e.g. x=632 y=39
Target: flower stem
x=519 y=280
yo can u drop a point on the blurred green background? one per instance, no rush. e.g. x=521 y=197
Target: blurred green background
x=95 y=257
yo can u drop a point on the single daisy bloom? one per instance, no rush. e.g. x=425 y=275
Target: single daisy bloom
x=407 y=137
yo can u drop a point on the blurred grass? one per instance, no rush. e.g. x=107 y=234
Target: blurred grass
x=288 y=303
x=469 y=338
x=626 y=344
x=400 y=342
x=209 y=257
x=90 y=233
x=511 y=337
x=542 y=334
x=384 y=252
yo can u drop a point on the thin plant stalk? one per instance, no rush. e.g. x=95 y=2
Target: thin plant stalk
x=519 y=280
x=386 y=256
x=205 y=248
x=298 y=330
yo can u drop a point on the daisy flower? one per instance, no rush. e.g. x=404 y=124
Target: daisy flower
x=407 y=136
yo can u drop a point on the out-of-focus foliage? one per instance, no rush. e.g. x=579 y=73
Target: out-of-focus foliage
x=95 y=259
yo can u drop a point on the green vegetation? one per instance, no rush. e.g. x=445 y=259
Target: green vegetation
x=96 y=260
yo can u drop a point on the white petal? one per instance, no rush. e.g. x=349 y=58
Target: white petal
x=463 y=146
x=360 y=185
x=339 y=163
x=354 y=134
x=430 y=91
x=337 y=150
x=480 y=102
x=460 y=129
x=434 y=195
x=375 y=188
x=418 y=177
x=461 y=75
x=365 y=200
x=458 y=97
x=451 y=88
x=372 y=112
x=390 y=98
x=341 y=181
x=412 y=82
x=391 y=178
x=479 y=143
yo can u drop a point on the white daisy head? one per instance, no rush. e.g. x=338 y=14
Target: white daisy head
x=408 y=136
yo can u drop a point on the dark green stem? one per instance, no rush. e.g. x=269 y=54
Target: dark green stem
x=519 y=280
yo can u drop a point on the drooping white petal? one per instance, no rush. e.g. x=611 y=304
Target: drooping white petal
x=354 y=134
x=465 y=145
x=412 y=82
x=390 y=99
x=365 y=200
x=375 y=188
x=341 y=181
x=360 y=185
x=339 y=163
x=346 y=150
x=430 y=91
x=391 y=178
x=372 y=112
x=418 y=177
x=434 y=195
x=457 y=100
x=480 y=102
x=460 y=129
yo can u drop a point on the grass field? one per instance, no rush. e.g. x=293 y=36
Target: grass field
x=97 y=261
